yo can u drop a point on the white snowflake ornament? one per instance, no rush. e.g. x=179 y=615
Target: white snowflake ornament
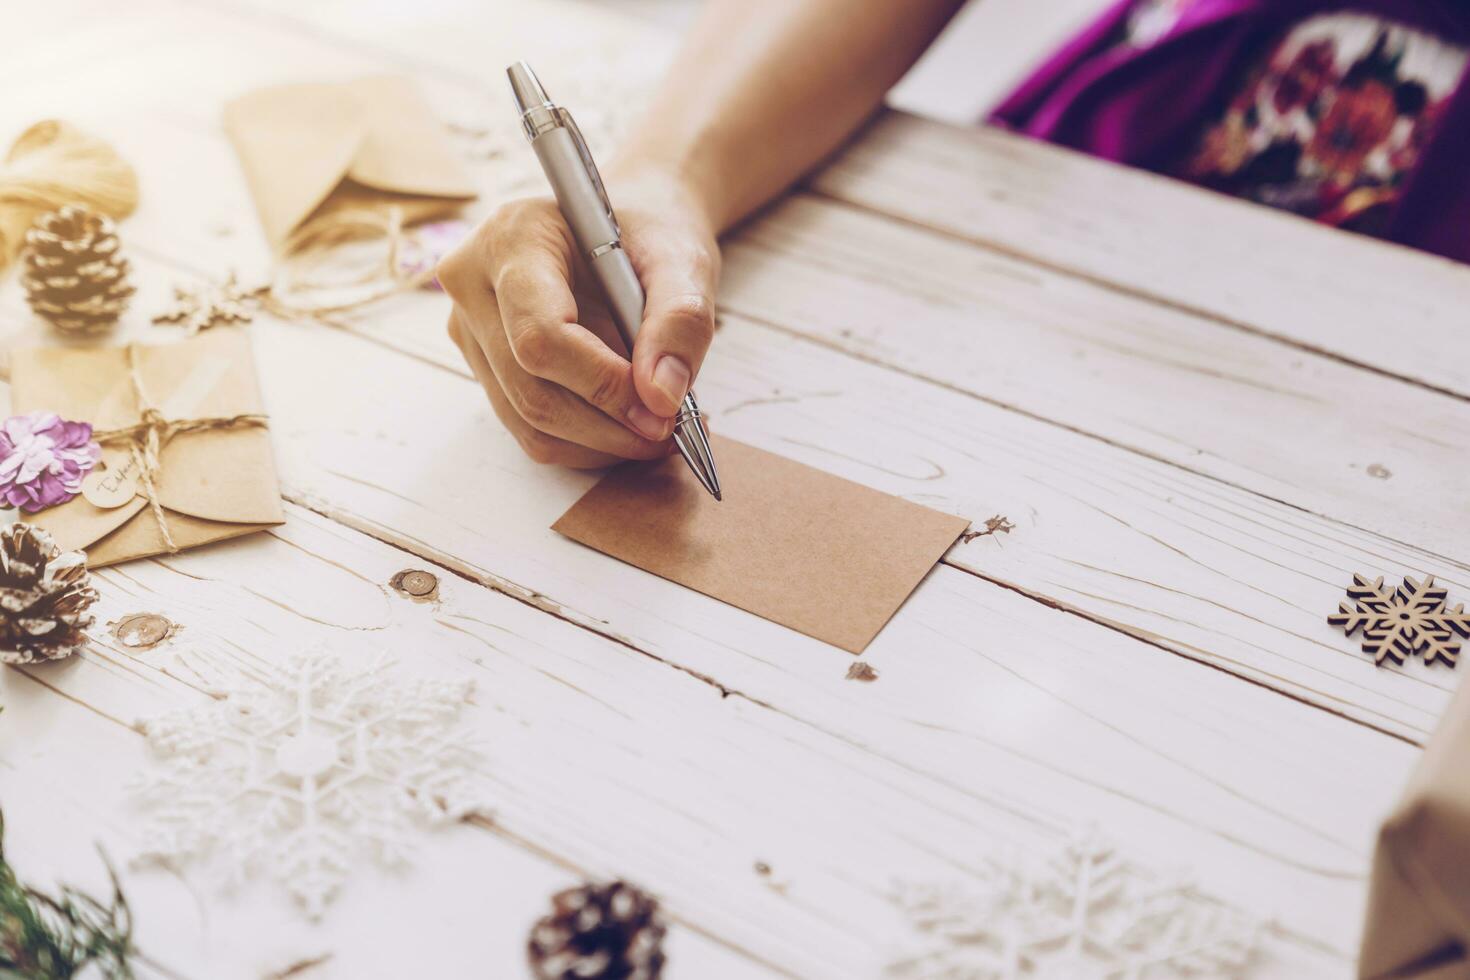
x=301 y=771
x=1082 y=913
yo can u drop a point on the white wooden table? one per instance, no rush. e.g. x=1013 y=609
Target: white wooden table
x=1200 y=416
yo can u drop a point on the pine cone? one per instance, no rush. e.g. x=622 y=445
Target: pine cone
x=599 y=932
x=44 y=594
x=75 y=275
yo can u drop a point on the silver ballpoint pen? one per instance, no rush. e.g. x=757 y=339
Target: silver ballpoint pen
x=583 y=201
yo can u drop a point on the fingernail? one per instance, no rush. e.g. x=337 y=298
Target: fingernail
x=648 y=424
x=671 y=376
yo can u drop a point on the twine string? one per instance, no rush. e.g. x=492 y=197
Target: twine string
x=148 y=437
x=311 y=246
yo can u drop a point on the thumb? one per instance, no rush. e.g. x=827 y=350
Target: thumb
x=678 y=324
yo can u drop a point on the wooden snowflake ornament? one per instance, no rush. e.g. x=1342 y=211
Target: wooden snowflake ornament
x=1398 y=623
x=211 y=305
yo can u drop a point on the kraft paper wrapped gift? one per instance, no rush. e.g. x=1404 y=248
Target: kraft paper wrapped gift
x=313 y=150
x=216 y=477
x=1418 y=924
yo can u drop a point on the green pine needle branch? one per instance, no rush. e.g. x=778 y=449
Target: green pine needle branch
x=46 y=937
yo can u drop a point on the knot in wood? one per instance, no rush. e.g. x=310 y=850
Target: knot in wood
x=416 y=583
x=142 y=631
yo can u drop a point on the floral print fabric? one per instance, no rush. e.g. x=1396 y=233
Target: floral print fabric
x=1332 y=121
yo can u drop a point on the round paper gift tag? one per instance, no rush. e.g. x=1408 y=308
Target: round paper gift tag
x=114 y=482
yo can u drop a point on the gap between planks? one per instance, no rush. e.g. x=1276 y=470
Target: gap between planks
x=1152 y=640
x=489 y=580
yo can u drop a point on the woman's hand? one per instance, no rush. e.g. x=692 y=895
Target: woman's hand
x=531 y=323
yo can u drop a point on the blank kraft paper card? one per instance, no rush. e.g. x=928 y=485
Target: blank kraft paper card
x=820 y=554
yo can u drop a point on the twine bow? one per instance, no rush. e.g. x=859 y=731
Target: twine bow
x=146 y=439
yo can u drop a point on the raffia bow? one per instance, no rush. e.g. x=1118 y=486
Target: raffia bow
x=146 y=439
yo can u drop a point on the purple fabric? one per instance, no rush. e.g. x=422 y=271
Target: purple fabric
x=1145 y=106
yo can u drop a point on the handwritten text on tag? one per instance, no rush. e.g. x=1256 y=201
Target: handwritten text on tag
x=114 y=482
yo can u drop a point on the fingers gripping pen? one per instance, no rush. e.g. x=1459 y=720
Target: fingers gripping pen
x=583 y=202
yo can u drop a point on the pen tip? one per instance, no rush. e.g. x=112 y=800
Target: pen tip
x=719 y=496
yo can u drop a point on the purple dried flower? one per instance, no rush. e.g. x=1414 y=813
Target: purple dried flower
x=43 y=460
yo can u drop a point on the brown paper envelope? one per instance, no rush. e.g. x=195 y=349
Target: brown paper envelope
x=213 y=485
x=820 y=554
x=1419 y=901
x=369 y=142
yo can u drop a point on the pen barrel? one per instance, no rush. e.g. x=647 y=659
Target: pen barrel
x=593 y=227
x=623 y=291
x=576 y=193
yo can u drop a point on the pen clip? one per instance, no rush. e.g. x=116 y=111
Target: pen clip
x=565 y=118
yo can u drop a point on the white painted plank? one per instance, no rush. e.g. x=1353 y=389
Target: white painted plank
x=620 y=765
x=1322 y=289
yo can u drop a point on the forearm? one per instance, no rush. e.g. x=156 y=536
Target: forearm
x=764 y=89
